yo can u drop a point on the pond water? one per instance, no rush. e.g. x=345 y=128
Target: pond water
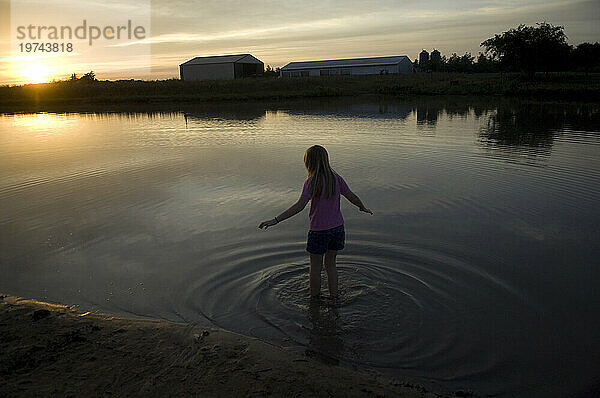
x=478 y=270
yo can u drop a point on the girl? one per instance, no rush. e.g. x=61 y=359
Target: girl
x=323 y=188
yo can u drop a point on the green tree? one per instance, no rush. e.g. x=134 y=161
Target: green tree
x=88 y=77
x=530 y=48
x=586 y=56
x=270 y=72
x=460 y=63
x=485 y=64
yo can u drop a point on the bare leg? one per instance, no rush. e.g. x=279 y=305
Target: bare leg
x=315 y=274
x=331 y=269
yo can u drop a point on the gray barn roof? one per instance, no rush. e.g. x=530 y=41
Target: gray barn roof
x=337 y=63
x=223 y=59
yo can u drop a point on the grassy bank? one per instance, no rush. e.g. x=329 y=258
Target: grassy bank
x=560 y=86
x=52 y=350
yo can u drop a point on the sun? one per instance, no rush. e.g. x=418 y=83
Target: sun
x=35 y=73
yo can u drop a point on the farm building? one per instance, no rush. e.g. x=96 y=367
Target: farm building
x=226 y=67
x=352 y=66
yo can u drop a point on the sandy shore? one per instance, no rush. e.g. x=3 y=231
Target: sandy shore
x=53 y=350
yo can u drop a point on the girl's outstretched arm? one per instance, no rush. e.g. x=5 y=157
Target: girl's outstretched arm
x=293 y=210
x=355 y=200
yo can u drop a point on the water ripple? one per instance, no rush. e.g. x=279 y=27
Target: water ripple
x=401 y=306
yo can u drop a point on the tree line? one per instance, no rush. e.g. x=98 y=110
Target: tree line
x=527 y=49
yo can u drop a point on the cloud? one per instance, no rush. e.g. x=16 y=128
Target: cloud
x=400 y=21
x=281 y=31
x=389 y=32
x=262 y=32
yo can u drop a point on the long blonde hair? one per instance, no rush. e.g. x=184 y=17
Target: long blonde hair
x=316 y=161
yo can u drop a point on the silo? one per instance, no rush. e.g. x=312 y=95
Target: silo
x=423 y=58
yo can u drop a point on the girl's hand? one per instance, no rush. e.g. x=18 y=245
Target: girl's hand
x=267 y=224
x=366 y=210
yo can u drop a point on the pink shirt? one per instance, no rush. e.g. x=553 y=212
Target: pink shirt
x=325 y=213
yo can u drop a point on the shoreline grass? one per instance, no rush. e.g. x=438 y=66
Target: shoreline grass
x=566 y=86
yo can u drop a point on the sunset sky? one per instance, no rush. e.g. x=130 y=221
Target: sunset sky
x=278 y=32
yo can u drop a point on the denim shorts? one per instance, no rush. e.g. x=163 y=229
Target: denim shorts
x=330 y=239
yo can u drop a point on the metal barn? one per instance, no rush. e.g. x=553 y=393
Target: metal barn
x=222 y=67
x=353 y=66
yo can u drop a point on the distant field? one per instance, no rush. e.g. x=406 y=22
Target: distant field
x=572 y=86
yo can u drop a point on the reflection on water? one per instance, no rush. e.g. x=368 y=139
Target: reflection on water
x=526 y=125
x=232 y=111
x=324 y=337
x=476 y=271
x=346 y=109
